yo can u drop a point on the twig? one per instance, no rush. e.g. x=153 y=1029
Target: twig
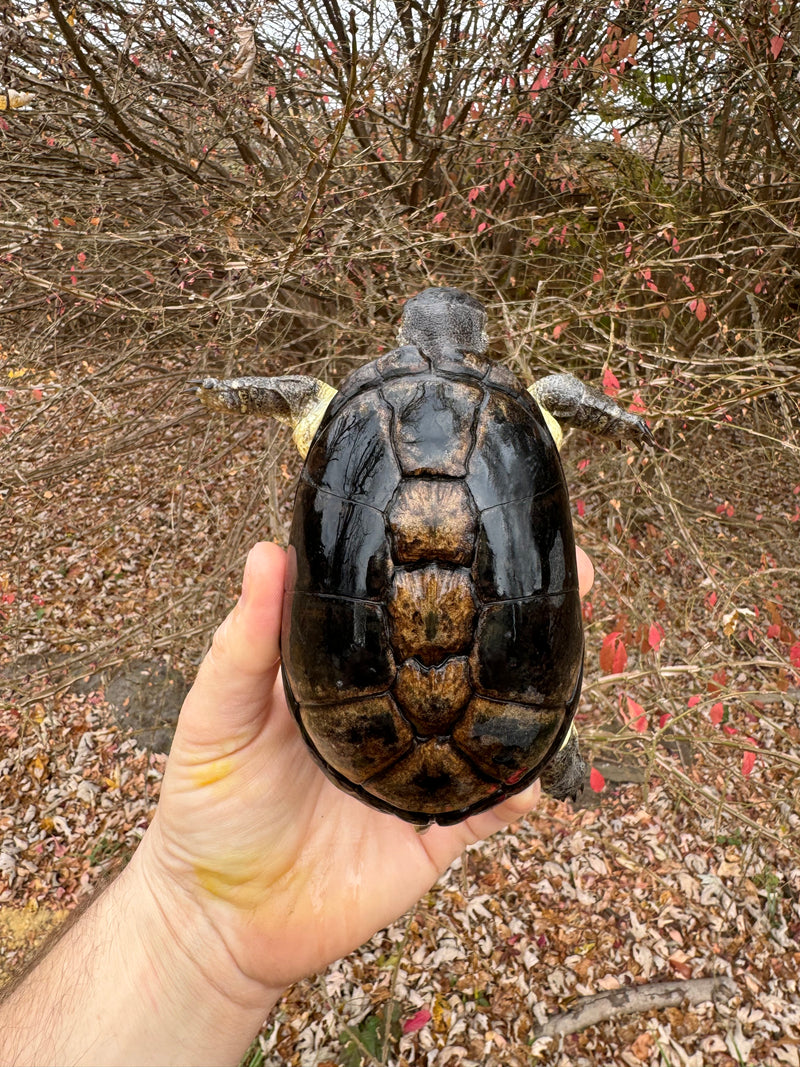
x=633 y=1000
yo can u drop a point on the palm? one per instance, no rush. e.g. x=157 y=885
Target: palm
x=293 y=868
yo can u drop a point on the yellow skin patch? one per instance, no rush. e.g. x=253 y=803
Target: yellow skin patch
x=212 y=772
x=307 y=426
x=552 y=424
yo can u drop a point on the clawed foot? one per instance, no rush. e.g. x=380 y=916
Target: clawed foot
x=216 y=394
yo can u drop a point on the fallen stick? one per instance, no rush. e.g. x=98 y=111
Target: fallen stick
x=635 y=999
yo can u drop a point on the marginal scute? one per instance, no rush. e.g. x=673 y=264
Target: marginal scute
x=432 y=612
x=432 y=520
x=505 y=738
x=433 y=778
x=359 y=738
x=432 y=698
x=432 y=430
x=508 y=382
x=463 y=365
x=403 y=361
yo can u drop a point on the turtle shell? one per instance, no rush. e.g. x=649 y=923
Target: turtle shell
x=432 y=640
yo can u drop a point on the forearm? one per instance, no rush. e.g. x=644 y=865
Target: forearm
x=133 y=982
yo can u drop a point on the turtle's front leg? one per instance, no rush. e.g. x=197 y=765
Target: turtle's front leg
x=297 y=400
x=573 y=403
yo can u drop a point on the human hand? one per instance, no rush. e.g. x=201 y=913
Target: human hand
x=289 y=871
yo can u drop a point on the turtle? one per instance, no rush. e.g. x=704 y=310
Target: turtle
x=432 y=639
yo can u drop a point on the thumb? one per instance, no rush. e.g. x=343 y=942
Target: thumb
x=235 y=682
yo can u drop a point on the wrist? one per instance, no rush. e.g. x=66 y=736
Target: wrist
x=204 y=1000
x=141 y=979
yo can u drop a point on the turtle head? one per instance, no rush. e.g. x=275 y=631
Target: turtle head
x=438 y=320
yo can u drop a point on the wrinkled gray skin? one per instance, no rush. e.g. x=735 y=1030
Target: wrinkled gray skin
x=573 y=403
x=565 y=774
x=440 y=322
x=444 y=320
x=285 y=398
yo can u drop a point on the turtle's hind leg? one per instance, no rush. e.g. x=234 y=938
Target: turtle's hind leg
x=297 y=400
x=565 y=774
x=573 y=403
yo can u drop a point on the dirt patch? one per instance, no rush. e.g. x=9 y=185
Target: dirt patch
x=22 y=930
x=146 y=699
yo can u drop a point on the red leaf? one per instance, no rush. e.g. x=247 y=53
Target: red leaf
x=481 y=227
x=596 y=781
x=748 y=761
x=711 y=599
x=607 y=652
x=662 y=722
x=716 y=713
x=37 y=394
x=775 y=46
x=774 y=630
x=440 y=216
x=700 y=309
x=610 y=382
x=654 y=635
x=693 y=701
x=580 y=507
x=794 y=655
x=638 y=717
x=416 y=1022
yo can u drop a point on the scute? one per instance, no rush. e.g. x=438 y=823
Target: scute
x=432 y=431
x=503 y=738
x=432 y=519
x=358 y=658
x=501 y=663
x=431 y=779
x=432 y=613
x=514 y=457
x=358 y=738
x=525 y=548
x=343 y=548
x=432 y=698
x=349 y=457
